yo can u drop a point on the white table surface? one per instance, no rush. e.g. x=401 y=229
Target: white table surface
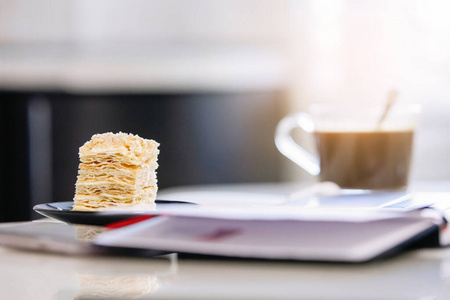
x=417 y=274
x=423 y=274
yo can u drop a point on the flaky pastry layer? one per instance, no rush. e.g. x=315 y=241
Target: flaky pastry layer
x=108 y=200
x=121 y=147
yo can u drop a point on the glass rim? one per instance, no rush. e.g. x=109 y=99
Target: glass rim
x=362 y=108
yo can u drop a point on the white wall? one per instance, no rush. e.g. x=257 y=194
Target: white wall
x=336 y=49
x=246 y=21
x=34 y=21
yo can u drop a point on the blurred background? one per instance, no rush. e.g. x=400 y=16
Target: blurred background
x=209 y=80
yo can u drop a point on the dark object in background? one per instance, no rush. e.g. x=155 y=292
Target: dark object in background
x=14 y=162
x=205 y=139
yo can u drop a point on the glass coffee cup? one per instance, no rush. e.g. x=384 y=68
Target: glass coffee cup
x=356 y=147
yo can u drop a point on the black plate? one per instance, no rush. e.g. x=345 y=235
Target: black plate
x=62 y=211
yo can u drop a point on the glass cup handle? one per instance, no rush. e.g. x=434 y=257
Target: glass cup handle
x=289 y=148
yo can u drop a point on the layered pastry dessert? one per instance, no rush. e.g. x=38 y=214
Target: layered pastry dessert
x=116 y=171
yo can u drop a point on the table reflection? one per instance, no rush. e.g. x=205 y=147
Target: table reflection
x=87 y=233
x=121 y=279
x=94 y=286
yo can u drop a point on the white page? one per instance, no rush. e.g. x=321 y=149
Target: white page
x=288 y=239
x=256 y=212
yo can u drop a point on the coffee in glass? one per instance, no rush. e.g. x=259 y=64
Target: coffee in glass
x=352 y=149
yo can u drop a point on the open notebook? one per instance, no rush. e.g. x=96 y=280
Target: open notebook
x=322 y=231
x=438 y=202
